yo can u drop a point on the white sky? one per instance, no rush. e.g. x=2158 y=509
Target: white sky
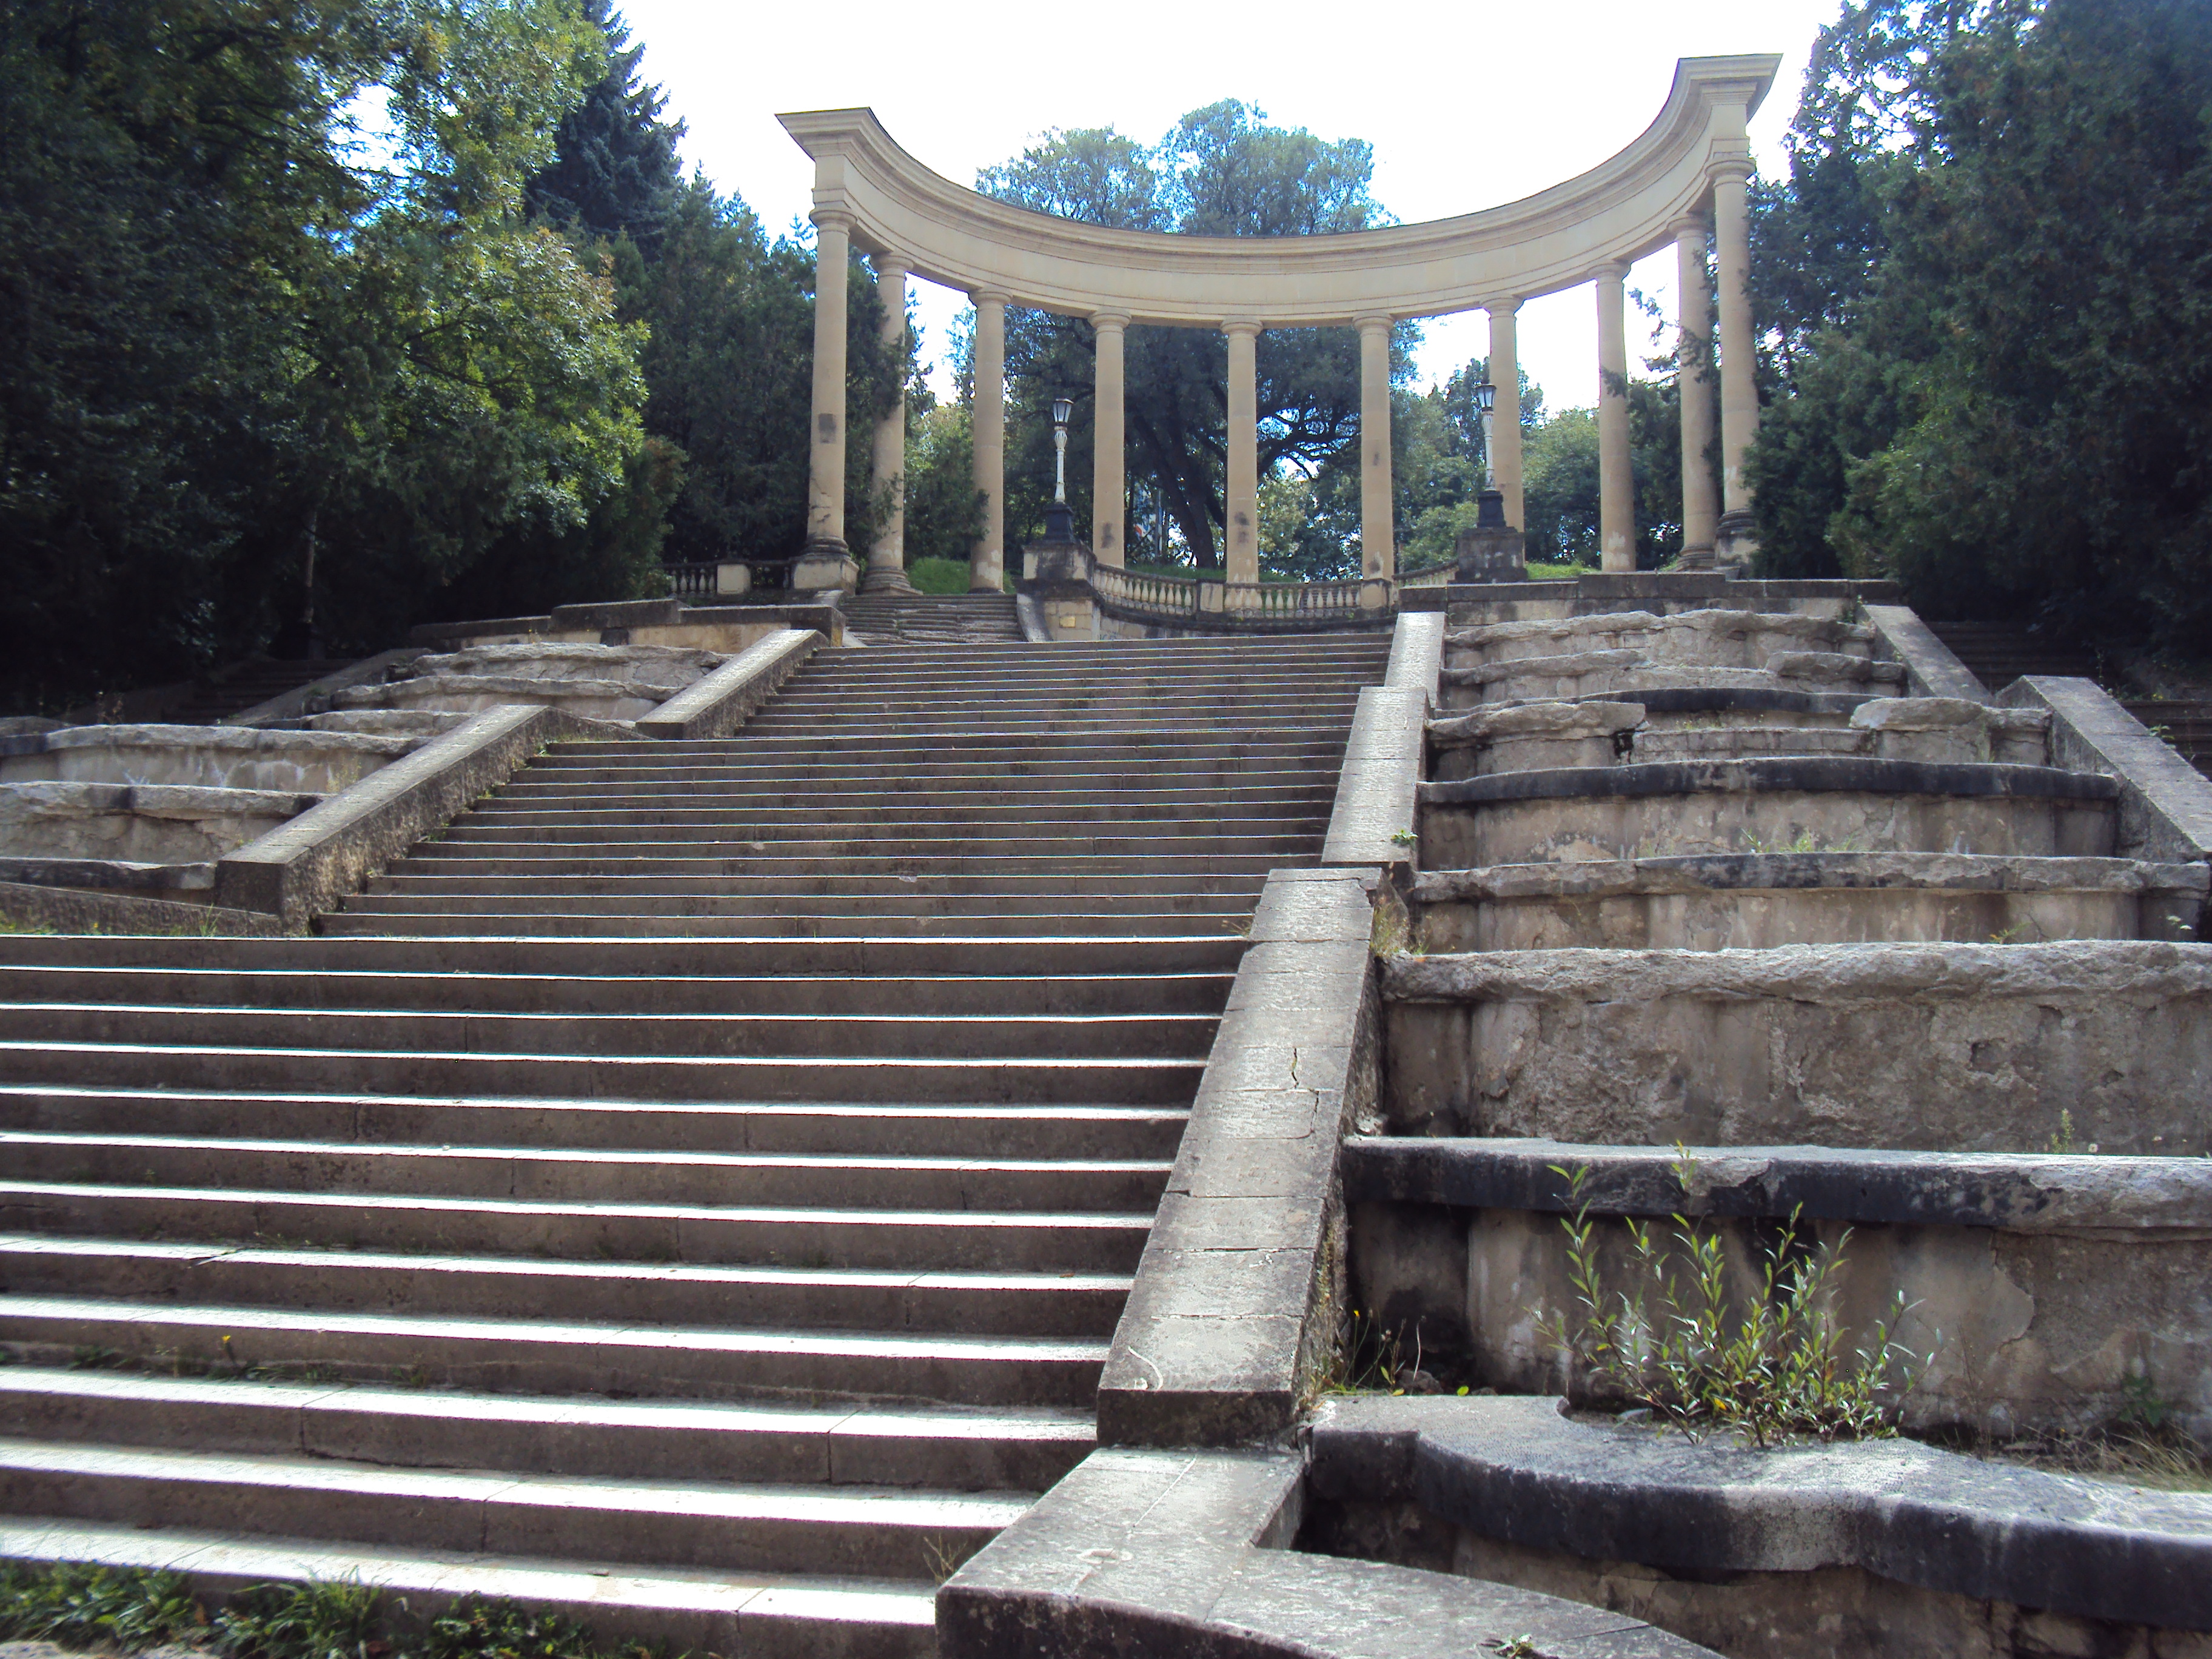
x=1569 y=82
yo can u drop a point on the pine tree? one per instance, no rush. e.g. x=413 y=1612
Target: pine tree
x=614 y=169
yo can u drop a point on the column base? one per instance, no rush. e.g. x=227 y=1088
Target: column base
x=1736 y=544
x=885 y=579
x=1695 y=558
x=1491 y=554
x=825 y=562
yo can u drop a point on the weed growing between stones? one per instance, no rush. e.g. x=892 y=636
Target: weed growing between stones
x=1670 y=1342
x=80 y=1604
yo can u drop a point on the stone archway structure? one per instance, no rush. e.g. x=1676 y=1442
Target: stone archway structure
x=1683 y=179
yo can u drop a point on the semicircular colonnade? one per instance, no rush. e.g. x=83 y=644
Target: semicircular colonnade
x=1684 y=179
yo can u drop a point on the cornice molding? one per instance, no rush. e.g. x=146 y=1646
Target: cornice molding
x=1620 y=210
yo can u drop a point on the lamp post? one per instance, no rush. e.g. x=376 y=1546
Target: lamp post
x=1058 y=521
x=1489 y=506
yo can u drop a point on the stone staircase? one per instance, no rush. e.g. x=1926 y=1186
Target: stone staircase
x=891 y=616
x=697 y=1191
x=248 y=686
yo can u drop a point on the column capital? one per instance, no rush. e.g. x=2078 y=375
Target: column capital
x=1250 y=326
x=1616 y=269
x=1504 y=305
x=983 y=296
x=1368 y=321
x=1697 y=224
x=832 y=218
x=885 y=263
x=1732 y=168
x=1113 y=319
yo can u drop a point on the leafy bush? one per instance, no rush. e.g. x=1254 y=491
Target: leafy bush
x=1671 y=1341
x=79 y=1604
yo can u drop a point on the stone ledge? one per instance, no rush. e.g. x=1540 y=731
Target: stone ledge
x=1706 y=872
x=1515 y=1469
x=1809 y=773
x=70 y=910
x=305 y=868
x=107 y=875
x=2166 y=803
x=2017 y=1192
x=1232 y=1312
x=1375 y=789
x=719 y=703
x=1142 y=1552
x=2069 y=970
x=312 y=697
x=1931 y=668
x=1417 y=653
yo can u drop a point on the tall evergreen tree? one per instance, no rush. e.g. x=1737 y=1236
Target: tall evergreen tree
x=614 y=171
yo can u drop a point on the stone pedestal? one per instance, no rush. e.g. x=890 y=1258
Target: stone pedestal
x=1493 y=551
x=1736 y=544
x=825 y=564
x=1054 y=560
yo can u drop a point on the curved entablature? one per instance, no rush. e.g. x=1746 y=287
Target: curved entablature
x=1618 y=211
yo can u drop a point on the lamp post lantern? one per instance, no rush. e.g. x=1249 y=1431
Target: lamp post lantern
x=1059 y=520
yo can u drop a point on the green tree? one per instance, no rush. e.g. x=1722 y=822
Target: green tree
x=246 y=362
x=614 y=171
x=1222 y=171
x=2013 y=416
x=1559 y=484
x=730 y=367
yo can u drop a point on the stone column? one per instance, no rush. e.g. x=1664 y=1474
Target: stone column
x=1378 y=534
x=1739 y=389
x=1240 y=550
x=1616 y=488
x=1505 y=415
x=1109 y=486
x=1693 y=378
x=825 y=477
x=887 y=470
x=986 y=562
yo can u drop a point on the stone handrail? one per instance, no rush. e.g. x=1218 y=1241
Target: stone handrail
x=1181 y=598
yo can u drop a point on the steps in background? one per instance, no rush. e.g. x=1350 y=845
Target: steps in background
x=890 y=615
x=699 y=1187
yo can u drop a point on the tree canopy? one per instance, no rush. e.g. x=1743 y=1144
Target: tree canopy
x=1988 y=281
x=1221 y=171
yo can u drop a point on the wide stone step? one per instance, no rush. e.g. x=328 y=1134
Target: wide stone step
x=897 y=841
x=972 y=995
x=497 y=917
x=1322 y=695
x=446 y=1032
x=960 y=1129
x=1195 y=780
x=891 y=1532
x=596 y=1175
x=621 y=1293
x=1104 y=765
x=644 y=893
x=1131 y=1081
x=705 y=1609
x=779 y=796
x=647 y=959
x=1795 y=803
x=798 y=886
x=588 y=1439
x=916 y=1240
x=661 y=848
x=834 y=818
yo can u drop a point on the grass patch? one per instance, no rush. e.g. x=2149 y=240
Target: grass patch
x=80 y=1604
x=942 y=576
x=1669 y=1335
